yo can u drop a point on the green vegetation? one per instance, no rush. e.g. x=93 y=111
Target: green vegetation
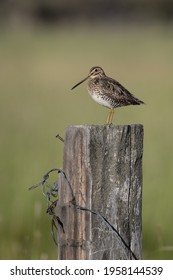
x=38 y=68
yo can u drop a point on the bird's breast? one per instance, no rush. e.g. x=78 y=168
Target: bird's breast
x=95 y=91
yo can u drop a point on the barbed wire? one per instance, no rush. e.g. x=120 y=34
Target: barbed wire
x=50 y=192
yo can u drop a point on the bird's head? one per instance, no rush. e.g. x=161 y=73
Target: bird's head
x=95 y=72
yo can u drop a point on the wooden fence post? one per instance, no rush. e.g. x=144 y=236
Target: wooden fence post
x=104 y=167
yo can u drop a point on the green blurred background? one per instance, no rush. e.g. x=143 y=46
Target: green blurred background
x=45 y=48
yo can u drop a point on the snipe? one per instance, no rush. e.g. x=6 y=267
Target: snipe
x=108 y=92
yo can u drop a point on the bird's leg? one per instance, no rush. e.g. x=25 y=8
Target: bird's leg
x=108 y=118
x=112 y=114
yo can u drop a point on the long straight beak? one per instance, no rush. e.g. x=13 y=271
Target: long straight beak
x=80 y=83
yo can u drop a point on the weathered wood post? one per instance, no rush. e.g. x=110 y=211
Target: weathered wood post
x=104 y=167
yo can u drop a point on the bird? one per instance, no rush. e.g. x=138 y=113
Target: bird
x=107 y=91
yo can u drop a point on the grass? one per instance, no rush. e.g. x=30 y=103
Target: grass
x=38 y=68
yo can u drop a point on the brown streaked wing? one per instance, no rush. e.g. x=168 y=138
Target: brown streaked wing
x=117 y=92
